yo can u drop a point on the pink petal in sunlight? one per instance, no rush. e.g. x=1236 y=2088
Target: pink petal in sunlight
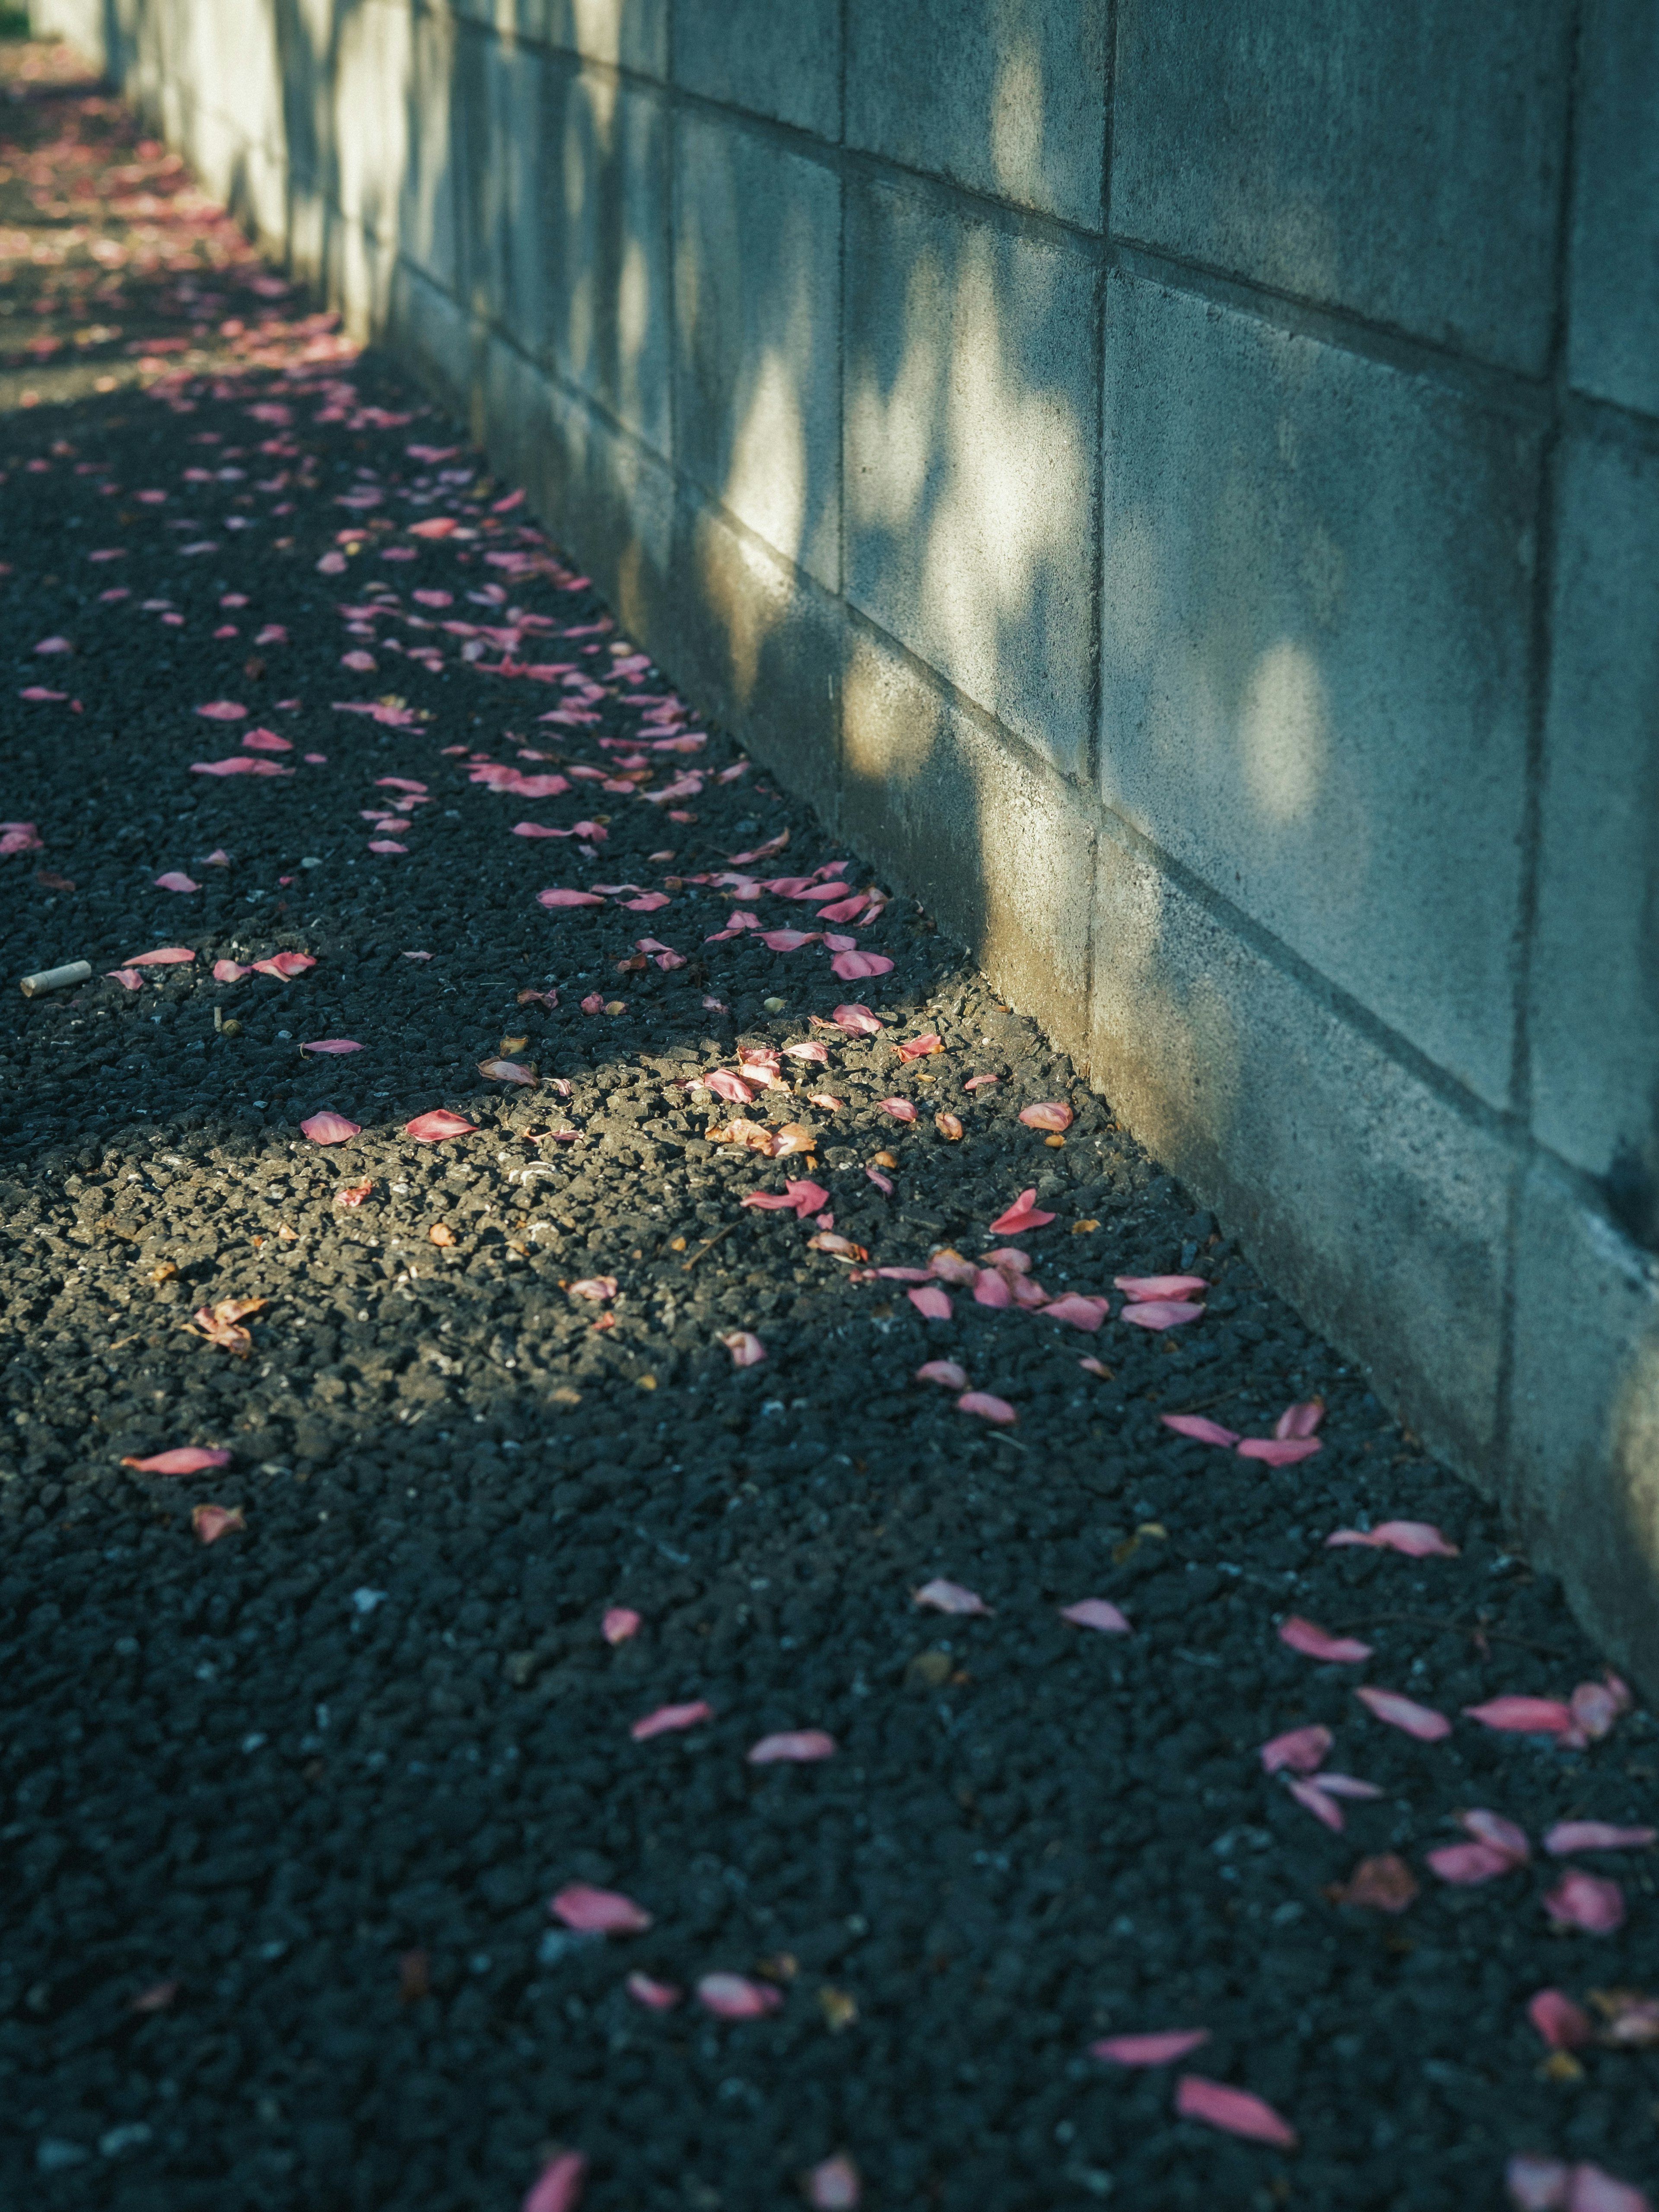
x=1054 y=1114
x=1160 y=2049
x=603 y=1911
x=792 y=1747
x=668 y=1720
x=1415 y=1540
x=883 y=1183
x=1420 y=1721
x=437 y=1127
x=900 y=1108
x=745 y=1348
x=857 y=1021
x=165 y=956
x=1161 y=1313
x=1314 y=1643
x=326 y=1128
x=944 y=1596
x=1236 y=2112
x=1097 y=1613
x=183 y=1459
x=619 y=1624
x=1200 y=1431
x=1022 y=1214
x=853 y=966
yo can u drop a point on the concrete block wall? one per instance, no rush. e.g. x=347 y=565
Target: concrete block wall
x=1178 y=486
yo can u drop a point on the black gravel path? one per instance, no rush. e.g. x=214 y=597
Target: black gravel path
x=282 y=1813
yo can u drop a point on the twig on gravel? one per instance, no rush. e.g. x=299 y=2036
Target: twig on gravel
x=1477 y=1629
x=708 y=1247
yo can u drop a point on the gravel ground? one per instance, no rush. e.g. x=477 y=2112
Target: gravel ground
x=283 y=1811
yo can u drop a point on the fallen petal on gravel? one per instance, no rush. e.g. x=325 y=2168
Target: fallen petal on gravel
x=1141 y=1290
x=560 y=2188
x=1594 y=1836
x=1300 y=1421
x=746 y=1349
x=174 y=880
x=1159 y=2048
x=183 y=1459
x=950 y=1597
x=900 y=1108
x=945 y=1371
x=1275 y=1451
x=1563 y=2025
x=332 y=1045
x=1420 y=1721
x=1300 y=1751
x=988 y=1408
x=605 y=1912
x=1417 y=1540
x=1080 y=1311
x=1053 y=1114
x=437 y=1127
x=932 y=1302
x=212 y=1522
x=619 y=1624
x=656 y=1996
x=1537 y=2185
x=1236 y=2112
x=1313 y=1642
x=596 y=1288
x=734 y=1997
x=1202 y=1431
x=1523 y=1715
x=792 y=1747
x=835 y=2186
x=1319 y=1803
x=1464 y=1865
x=668 y=1719
x=1587 y=1901
x=1168 y=1313
x=1097 y=1613
x=1022 y=1214
x=327 y=1129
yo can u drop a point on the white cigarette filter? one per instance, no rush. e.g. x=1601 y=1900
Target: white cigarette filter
x=57 y=979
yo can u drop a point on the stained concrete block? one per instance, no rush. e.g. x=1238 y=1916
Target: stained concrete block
x=757 y=314
x=1594 y=1027
x=601 y=241
x=1313 y=675
x=970 y=426
x=1581 y=1474
x=428 y=224
x=999 y=845
x=781 y=62
x=1612 y=331
x=1357 y=1188
x=509 y=191
x=1007 y=97
x=1403 y=162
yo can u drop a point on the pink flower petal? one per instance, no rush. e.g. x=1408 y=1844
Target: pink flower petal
x=326 y=1128
x=222 y=710
x=1586 y=1901
x=883 y=1183
x=991 y=1289
x=1417 y=1540
x=1202 y=1431
x=332 y=1045
x=1501 y=1835
x=556 y=897
x=1523 y=1715
x=284 y=966
x=656 y=1996
x=792 y=1747
x=1591 y=2189
x=669 y=1719
x=1563 y=2025
x=945 y=1372
x=385 y=845
x=988 y=1408
x=835 y=2186
x=1314 y=1643
x=950 y=1597
x=596 y=1288
x=900 y=1108
x=560 y=2188
x=1274 y=1450
x=853 y=966
x=175 y=880
x=183 y=1459
x=1161 y=2049
x=1320 y=1803
x=930 y=1302
x=745 y=1348
x=1594 y=1836
x=620 y=1622
x=1537 y=2185
x=128 y=978
x=857 y=1021
x=1300 y=1751
x=734 y=1997
x=1464 y=1865
x=1300 y=1421
x=1344 y=1785
x=1236 y=2112
x=165 y=955
x=1053 y=1115
x=605 y=1912
x=1597 y=1705
x=1161 y=1313
x=212 y=1522
x=1159 y=1288
x=1097 y=1613
x=1420 y=1721
x=1080 y=1311
x=1022 y=1214
x=438 y=1126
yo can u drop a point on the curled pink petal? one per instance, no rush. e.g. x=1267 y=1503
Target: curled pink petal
x=1143 y=1288
x=950 y=1597
x=745 y=1348
x=1200 y=1430
x=656 y=1996
x=991 y=1289
x=1523 y=1715
x=1300 y=1421
x=176 y=880
x=1501 y=1835
x=183 y=1459
x=229 y=971
x=1234 y=2111
x=943 y=1371
x=1053 y=1115
x=212 y=1522
x=1079 y=1310
x=792 y=1747
x=669 y=1719
x=560 y=2187
x=932 y=1302
x=1313 y=1642
x=835 y=2186
x=988 y=1407
x=1022 y=1214
x=433 y=1128
x=166 y=955
x=853 y=966
x=620 y=1622
x=900 y=1108
x=1563 y=2025
x=1597 y=1705
x=1163 y=1313
x=1299 y=1751
x=602 y=1911
x=1417 y=1540
x=733 y=1088
x=734 y=1997
x=856 y=1021
x=326 y=1128
x=1161 y=2049
x=1586 y=1901
x=597 y=1289
x=1097 y=1613
x=1594 y=1836
x=1420 y=1721
x=1276 y=1451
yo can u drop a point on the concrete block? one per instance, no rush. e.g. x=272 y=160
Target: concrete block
x=602 y=242
x=970 y=419
x=429 y=223
x=781 y=62
x=1001 y=846
x=1357 y=1189
x=1314 y=663
x=1581 y=1475
x=631 y=34
x=369 y=118
x=1594 y=1026
x=1007 y=97
x=757 y=314
x=509 y=191
x=1402 y=162
x=1613 y=331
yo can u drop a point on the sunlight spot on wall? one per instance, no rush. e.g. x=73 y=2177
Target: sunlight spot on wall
x=1284 y=731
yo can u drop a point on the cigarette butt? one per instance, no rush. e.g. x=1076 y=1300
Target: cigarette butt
x=57 y=979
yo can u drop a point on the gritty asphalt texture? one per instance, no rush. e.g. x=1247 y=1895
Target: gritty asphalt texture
x=307 y=1790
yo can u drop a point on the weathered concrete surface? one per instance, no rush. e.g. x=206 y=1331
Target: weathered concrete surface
x=1177 y=484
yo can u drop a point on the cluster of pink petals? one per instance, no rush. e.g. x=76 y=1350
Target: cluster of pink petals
x=1589 y=1715
x=1499 y=1847
x=1299 y=1754
x=1416 y=1539
x=1547 y=2184
x=1293 y=1437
